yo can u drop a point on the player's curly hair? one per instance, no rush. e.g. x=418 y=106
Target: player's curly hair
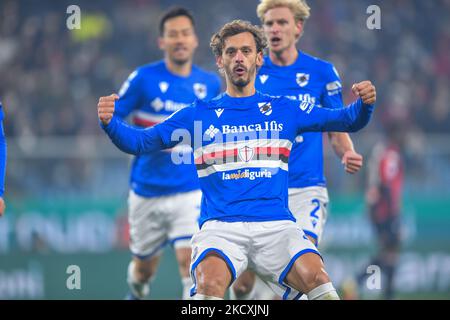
x=299 y=8
x=233 y=28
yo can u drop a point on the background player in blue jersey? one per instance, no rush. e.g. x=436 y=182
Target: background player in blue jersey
x=292 y=73
x=164 y=199
x=242 y=142
x=2 y=163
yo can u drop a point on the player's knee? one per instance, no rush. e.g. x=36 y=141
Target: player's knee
x=319 y=278
x=143 y=272
x=241 y=289
x=314 y=278
x=143 y=275
x=211 y=286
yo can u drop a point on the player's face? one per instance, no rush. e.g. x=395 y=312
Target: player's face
x=240 y=59
x=179 y=40
x=282 y=32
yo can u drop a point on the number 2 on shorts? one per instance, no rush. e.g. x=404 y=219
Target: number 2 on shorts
x=313 y=213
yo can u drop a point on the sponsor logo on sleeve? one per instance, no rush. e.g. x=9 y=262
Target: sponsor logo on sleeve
x=334 y=88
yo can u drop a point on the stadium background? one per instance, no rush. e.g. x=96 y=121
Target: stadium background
x=66 y=185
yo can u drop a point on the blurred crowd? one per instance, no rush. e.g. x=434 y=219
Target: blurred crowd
x=51 y=77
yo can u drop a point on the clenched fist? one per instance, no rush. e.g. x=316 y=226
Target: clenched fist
x=366 y=91
x=105 y=108
x=352 y=161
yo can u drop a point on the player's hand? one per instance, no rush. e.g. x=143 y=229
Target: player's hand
x=366 y=91
x=2 y=207
x=352 y=161
x=105 y=108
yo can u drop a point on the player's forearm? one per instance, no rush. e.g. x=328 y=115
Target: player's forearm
x=349 y=119
x=133 y=140
x=124 y=106
x=358 y=115
x=341 y=143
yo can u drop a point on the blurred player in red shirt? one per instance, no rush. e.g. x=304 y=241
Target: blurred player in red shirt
x=384 y=197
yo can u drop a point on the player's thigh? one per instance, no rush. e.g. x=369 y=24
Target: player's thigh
x=214 y=273
x=226 y=243
x=184 y=211
x=276 y=251
x=148 y=233
x=309 y=207
x=183 y=256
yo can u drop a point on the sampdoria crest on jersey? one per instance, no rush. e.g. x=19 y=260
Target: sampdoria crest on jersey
x=263 y=78
x=246 y=153
x=265 y=108
x=200 y=90
x=302 y=79
x=163 y=86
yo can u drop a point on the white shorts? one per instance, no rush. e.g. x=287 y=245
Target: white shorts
x=268 y=248
x=155 y=222
x=309 y=207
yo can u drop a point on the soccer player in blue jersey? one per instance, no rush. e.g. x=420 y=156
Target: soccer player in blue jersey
x=294 y=74
x=2 y=163
x=242 y=140
x=164 y=199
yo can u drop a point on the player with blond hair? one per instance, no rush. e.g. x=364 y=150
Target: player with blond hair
x=292 y=73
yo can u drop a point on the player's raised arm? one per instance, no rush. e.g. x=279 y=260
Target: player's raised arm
x=349 y=119
x=139 y=141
